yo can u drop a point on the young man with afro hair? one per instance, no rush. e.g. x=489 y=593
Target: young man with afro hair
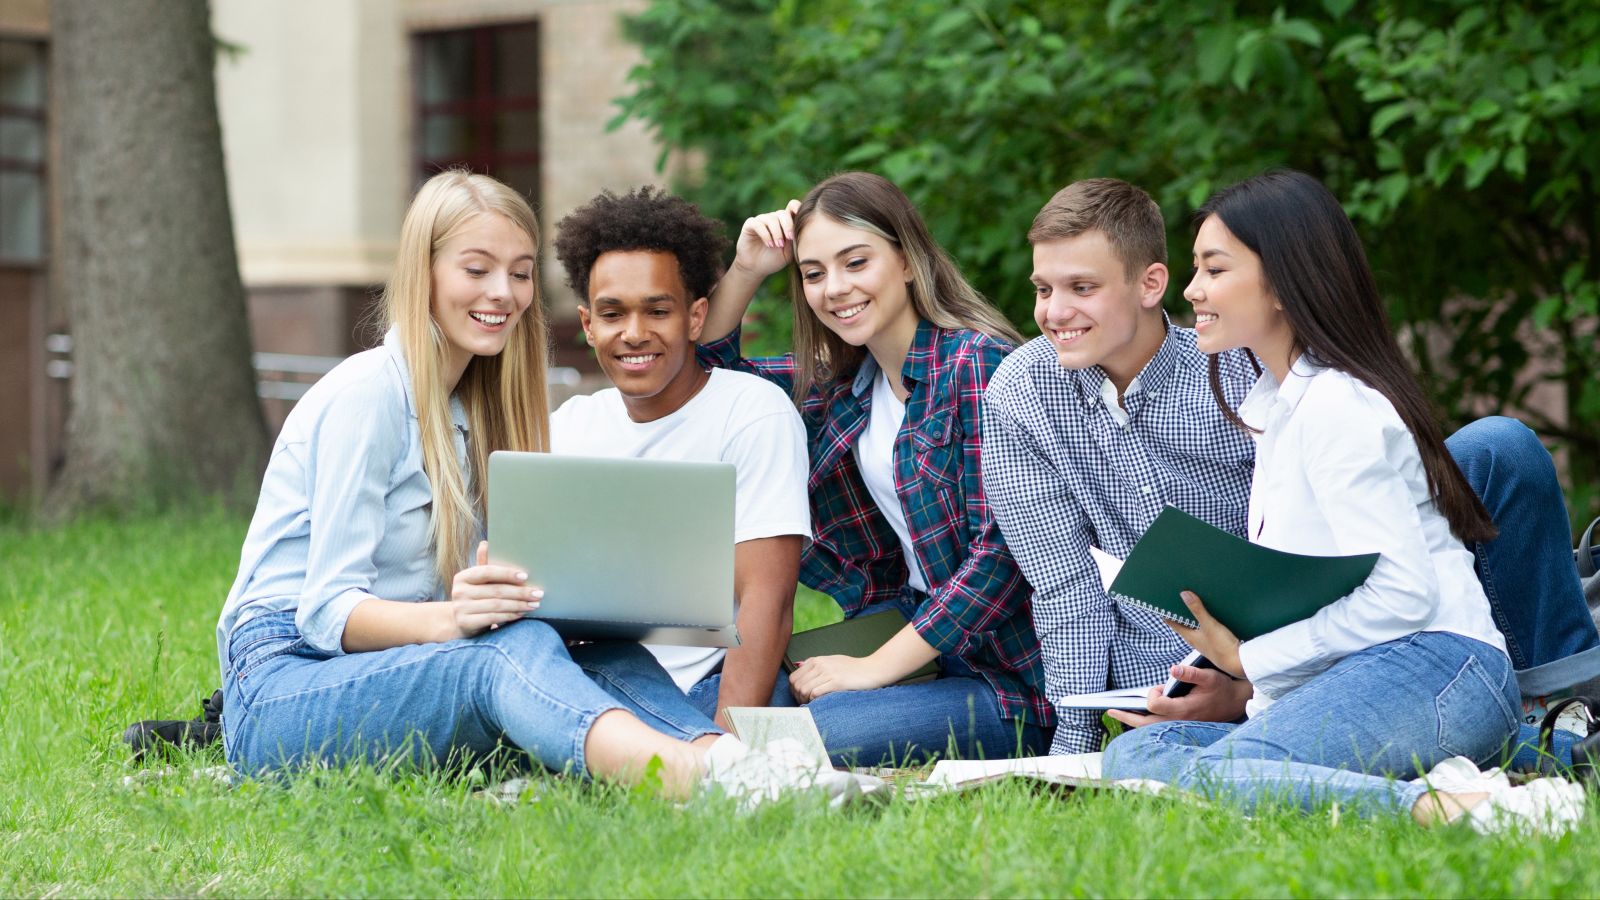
x=642 y=265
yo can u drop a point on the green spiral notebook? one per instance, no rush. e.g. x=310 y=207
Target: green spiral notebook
x=1249 y=588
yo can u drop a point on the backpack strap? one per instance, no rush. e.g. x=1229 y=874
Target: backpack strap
x=1585 y=551
x=1584 y=754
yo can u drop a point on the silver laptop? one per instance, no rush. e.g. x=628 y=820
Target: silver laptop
x=625 y=549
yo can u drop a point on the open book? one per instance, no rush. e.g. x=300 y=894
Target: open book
x=758 y=726
x=1074 y=770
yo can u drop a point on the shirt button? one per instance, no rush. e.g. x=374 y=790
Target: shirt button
x=1146 y=489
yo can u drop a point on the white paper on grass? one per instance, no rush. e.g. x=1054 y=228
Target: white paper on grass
x=1076 y=770
x=1071 y=769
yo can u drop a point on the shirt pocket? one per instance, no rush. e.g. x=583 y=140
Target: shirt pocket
x=936 y=442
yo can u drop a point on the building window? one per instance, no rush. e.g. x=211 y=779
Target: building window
x=22 y=151
x=477 y=102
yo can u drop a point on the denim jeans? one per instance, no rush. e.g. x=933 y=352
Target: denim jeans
x=1528 y=572
x=955 y=714
x=287 y=705
x=1388 y=712
x=703 y=695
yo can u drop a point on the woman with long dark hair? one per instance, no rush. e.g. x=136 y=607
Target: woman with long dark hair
x=1408 y=674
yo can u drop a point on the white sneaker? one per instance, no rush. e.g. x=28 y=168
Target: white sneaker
x=1548 y=807
x=1460 y=775
x=1544 y=806
x=754 y=777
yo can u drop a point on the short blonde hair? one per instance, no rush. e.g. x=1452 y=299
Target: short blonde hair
x=1124 y=213
x=504 y=395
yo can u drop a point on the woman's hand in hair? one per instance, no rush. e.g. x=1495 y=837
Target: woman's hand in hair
x=766 y=242
x=1212 y=638
x=484 y=597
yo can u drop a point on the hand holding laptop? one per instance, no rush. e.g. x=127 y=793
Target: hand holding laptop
x=483 y=597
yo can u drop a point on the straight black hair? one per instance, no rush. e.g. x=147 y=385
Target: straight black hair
x=1312 y=262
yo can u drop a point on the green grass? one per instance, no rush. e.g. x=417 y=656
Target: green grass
x=102 y=624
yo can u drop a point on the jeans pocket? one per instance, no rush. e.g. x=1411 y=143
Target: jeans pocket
x=1474 y=719
x=259 y=653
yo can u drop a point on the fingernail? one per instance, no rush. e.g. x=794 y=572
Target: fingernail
x=522 y=576
x=536 y=593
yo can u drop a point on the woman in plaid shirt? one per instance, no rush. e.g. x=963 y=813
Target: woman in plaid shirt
x=893 y=350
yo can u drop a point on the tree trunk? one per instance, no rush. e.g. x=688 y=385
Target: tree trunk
x=163 y=402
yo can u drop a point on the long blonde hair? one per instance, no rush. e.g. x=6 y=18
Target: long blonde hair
x=938 y=291
x=504 y=395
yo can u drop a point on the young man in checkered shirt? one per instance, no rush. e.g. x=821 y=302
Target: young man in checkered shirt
x=1094 y=426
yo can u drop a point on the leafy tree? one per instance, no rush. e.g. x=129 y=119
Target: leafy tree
x=1455 y=133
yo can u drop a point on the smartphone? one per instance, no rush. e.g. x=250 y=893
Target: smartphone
x=1176 y=688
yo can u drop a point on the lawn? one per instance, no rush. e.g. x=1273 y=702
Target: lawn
x=104 y=623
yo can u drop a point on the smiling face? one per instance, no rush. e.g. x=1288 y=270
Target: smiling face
x=1232 y=306
x=1091 y=312
x=856 y=282
x=643 y=326
x=482 y=283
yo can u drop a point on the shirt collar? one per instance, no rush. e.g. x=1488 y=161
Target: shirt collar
x=391 y=345
x=1092 y=382
x=919 y=359
x=1267 y=395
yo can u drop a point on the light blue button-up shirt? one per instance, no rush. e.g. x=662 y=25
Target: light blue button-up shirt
x=345 y=506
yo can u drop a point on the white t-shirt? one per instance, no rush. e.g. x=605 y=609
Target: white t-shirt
x=736 y=418
x=875 y=457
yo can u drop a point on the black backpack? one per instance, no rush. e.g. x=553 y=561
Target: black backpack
x=183 y=734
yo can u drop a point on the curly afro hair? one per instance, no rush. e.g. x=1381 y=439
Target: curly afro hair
x=643 y=219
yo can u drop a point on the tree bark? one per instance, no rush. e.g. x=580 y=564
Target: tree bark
x=162 y=402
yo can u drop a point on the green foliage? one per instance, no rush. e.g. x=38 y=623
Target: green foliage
x=104 y=623
x=1458 y=136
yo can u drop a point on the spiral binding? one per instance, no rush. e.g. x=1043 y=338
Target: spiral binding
x=1165 y=614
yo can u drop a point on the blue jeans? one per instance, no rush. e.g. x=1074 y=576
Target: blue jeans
x=952 y=715
x=703 y=695
x=1390 y=711
x=287 y=705
x=1528 y=571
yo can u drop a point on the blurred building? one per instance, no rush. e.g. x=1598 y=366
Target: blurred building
x=332 y=113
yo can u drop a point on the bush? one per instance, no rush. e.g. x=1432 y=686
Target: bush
x=1454 y=133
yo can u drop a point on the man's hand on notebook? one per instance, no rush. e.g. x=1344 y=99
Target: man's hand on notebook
x=1215 y=697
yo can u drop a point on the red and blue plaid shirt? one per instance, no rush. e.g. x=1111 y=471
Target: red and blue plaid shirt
x=977 y=605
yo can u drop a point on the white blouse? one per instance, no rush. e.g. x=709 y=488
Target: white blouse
x=1338 y=473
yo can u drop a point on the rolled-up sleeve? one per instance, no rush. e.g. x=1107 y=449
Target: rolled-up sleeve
x=726 y=353
x=349 y=467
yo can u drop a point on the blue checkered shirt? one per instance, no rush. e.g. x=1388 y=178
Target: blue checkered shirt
x=1062 y=472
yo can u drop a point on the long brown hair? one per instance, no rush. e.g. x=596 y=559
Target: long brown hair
x=1313 y=263
x=938 y=291
x=504 y=395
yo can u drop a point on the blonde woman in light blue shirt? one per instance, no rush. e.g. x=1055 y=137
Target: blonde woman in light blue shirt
x=364 y=624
